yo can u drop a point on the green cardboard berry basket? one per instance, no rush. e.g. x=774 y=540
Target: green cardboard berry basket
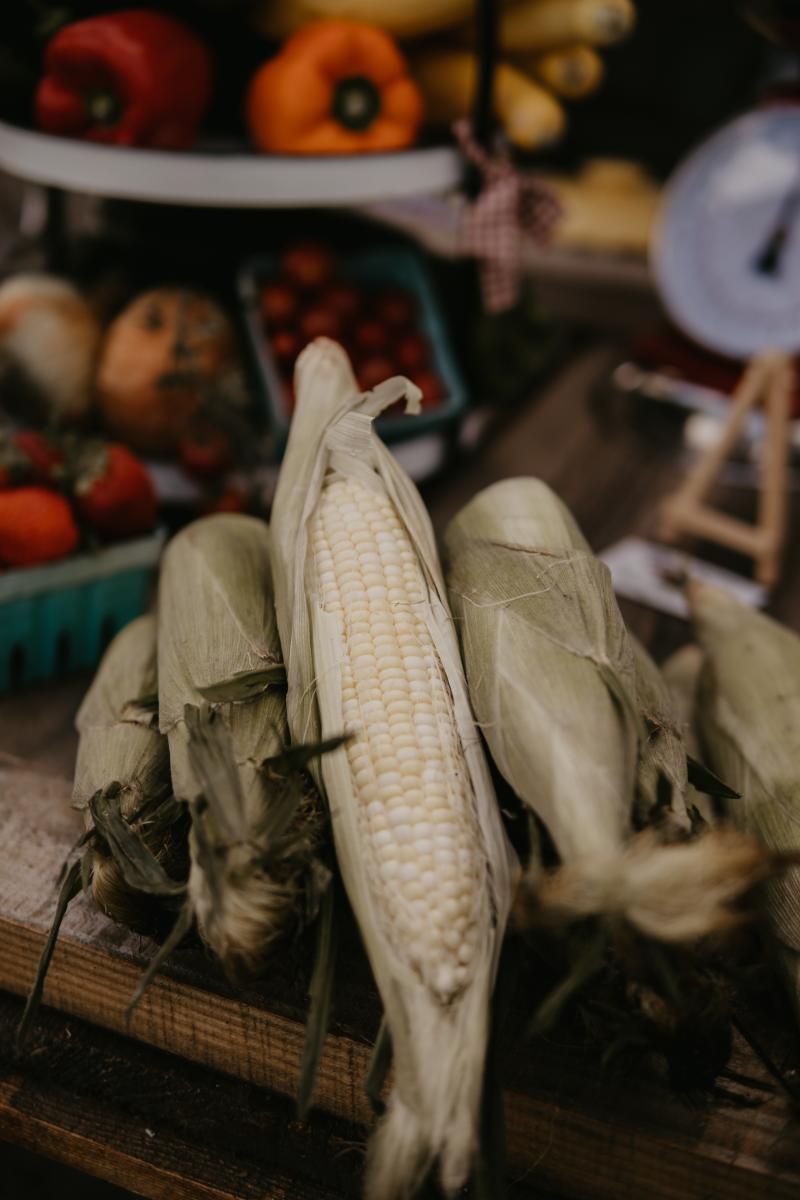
x=60 y=617
x=380 y=267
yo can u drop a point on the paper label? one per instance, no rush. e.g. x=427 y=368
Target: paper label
x=650 y=574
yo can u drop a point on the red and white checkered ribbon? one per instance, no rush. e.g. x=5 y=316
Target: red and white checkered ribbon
x=508 y=206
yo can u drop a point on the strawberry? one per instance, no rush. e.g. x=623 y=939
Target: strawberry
x=115 y=494
x=36 y=526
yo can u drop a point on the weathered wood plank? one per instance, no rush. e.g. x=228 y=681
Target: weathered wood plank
x=570 y=1127
x=152 y=1123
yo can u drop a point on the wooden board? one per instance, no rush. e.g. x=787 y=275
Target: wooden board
x=570 y=1127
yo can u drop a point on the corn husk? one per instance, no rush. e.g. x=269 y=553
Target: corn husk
x=681 y=673
x=748 y=720
x=662 y=782
x=568 y=706
x=122 y=781
x=134 y=847
x=439 y=1048
x=222 y=705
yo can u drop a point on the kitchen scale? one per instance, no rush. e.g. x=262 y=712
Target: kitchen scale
x=726 y=258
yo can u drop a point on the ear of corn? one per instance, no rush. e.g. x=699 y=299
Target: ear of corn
x=122 y=782
x=748 y=720
x=558 y=690
x=222 y=706
x=370 y=647
x=135 y=839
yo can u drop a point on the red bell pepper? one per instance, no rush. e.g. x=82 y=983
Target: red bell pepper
x=129 y=78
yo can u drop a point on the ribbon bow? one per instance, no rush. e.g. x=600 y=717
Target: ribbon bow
x=509 y=205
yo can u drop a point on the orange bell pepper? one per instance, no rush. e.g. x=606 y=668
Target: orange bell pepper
x=335 y=87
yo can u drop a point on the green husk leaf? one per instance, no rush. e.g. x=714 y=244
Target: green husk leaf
x=69 y=889
x=217 y=627
x=379 y=1063
x=119 y=737
x=663 y=755
x=704 y=780
x=245 y=685
x=321 y=994
x=589 y=955
x=681 y=672
x=489 y=1177
x=180 y=929
x=298 y=758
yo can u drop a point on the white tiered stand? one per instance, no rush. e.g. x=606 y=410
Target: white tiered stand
x=225 y=177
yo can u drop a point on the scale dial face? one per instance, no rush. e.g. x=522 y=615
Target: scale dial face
x=726 y=245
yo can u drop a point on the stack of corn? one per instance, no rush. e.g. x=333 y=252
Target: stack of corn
x=748 y=721
x=186 y=726
x=578 y=722
x=369 y=646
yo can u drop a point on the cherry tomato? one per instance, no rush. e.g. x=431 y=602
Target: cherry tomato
x=308 y=265
x=320 y=321
x=278 y=304
x=371 y=337
x=431 y=387
x=342 y=298
x=412 y=353
x=395 y=307
x=286 y=346
x=374 y=370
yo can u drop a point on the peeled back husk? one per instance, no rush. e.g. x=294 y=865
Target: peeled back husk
x=562 y=698
x=748 y=720
x=222 y=705
x=439 y=1040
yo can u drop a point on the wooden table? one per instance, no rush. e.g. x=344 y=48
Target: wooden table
x=190 y=1099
